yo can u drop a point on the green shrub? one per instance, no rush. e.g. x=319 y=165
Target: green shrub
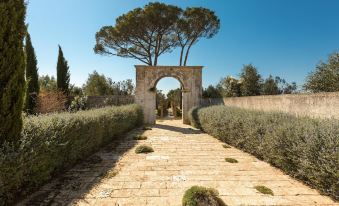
x=264 y=190
x=198 y=195
x=139 y=137
x=226 y=146
x=304 y=148
x=147 y=128
x=50 y=143
x=231 y=160
x=144 y=149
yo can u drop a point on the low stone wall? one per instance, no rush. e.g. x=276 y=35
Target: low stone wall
x=321 y=105
x=102 y=101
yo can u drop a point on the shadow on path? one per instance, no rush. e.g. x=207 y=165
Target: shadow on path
x=178 y=129
x=76 y=182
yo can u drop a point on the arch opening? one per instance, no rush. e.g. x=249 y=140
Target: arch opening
x=168 y=100
x=147 y=78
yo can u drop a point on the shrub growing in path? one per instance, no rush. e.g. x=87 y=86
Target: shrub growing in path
x=198 y=195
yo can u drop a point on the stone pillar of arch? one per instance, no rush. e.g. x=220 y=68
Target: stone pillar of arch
x=147 y=77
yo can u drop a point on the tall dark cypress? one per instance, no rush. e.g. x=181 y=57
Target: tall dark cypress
x=12 y=68
x=63 y=75
x=32 y=77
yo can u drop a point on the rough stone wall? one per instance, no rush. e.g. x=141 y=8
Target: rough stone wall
x=147 y=77
x=320 y=105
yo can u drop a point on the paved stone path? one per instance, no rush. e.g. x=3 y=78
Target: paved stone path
x=183 y=157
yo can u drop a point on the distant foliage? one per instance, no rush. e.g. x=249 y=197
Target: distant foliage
x=63 y=75
x=51 y=101
x=304 y=148
x=229 y=87
x=270 y=86
x=47 y=83
x=250 y=81
x=51 y=143
x=325 y=78
x=12 y=68
x=99 y=85
x=32 y=77
x=211 y=92
x=78 y=103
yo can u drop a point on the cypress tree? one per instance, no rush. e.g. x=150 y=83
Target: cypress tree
x=32 y=77
x=63 y=75
x=12 y=68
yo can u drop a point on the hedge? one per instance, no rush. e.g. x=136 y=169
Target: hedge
x=305 y=148
x=51 y=143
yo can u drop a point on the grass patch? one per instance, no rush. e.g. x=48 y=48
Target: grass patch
x=111 y=173
x=147 y=128
x=197 y=195
x=231 y=160
x=264 y=190
x=226 y=146
x=144 y=149
x=139 y=137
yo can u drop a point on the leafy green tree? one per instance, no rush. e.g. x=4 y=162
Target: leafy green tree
x=47 y=83
x=32 y=77
x=285 y=87
x=325 y=78
x=211 y=92
x=97 y=85
x=250 y=81
x=161 y=103
x=270 y=86
x=143 y=33
x=63 y=75
x=229 y=87
x=76 y=91
x=12 y=68
x=174 y=98
x=195 y=23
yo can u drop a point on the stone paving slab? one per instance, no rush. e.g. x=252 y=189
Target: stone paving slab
x=182 y=157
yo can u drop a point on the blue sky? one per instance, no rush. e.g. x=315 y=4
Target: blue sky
x=286 y=38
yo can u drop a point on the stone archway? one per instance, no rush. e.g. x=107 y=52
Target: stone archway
x=147 y=77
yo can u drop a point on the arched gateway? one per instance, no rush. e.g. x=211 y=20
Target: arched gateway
x=147 y=77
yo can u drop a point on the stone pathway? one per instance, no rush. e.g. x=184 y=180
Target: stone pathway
x=182 y=157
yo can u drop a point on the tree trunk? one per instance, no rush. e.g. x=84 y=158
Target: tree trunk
x=186 y=56
x=181 y=54
x=188 y=50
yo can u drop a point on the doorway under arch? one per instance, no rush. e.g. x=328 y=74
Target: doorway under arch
x=147 y=78
x=168 y=98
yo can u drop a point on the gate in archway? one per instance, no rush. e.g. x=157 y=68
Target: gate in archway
x=147 y=77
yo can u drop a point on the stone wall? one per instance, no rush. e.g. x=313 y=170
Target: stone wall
x=321 y=105
x=101 y=101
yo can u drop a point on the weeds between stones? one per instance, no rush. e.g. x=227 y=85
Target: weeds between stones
x=139 y=137
x=146 y=128
x=144 y=149
x=264 y=190
x=226 y=146
x=231 y=160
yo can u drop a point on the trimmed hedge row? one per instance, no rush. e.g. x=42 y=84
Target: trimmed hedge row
x=305 y=148
x=53 y=142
